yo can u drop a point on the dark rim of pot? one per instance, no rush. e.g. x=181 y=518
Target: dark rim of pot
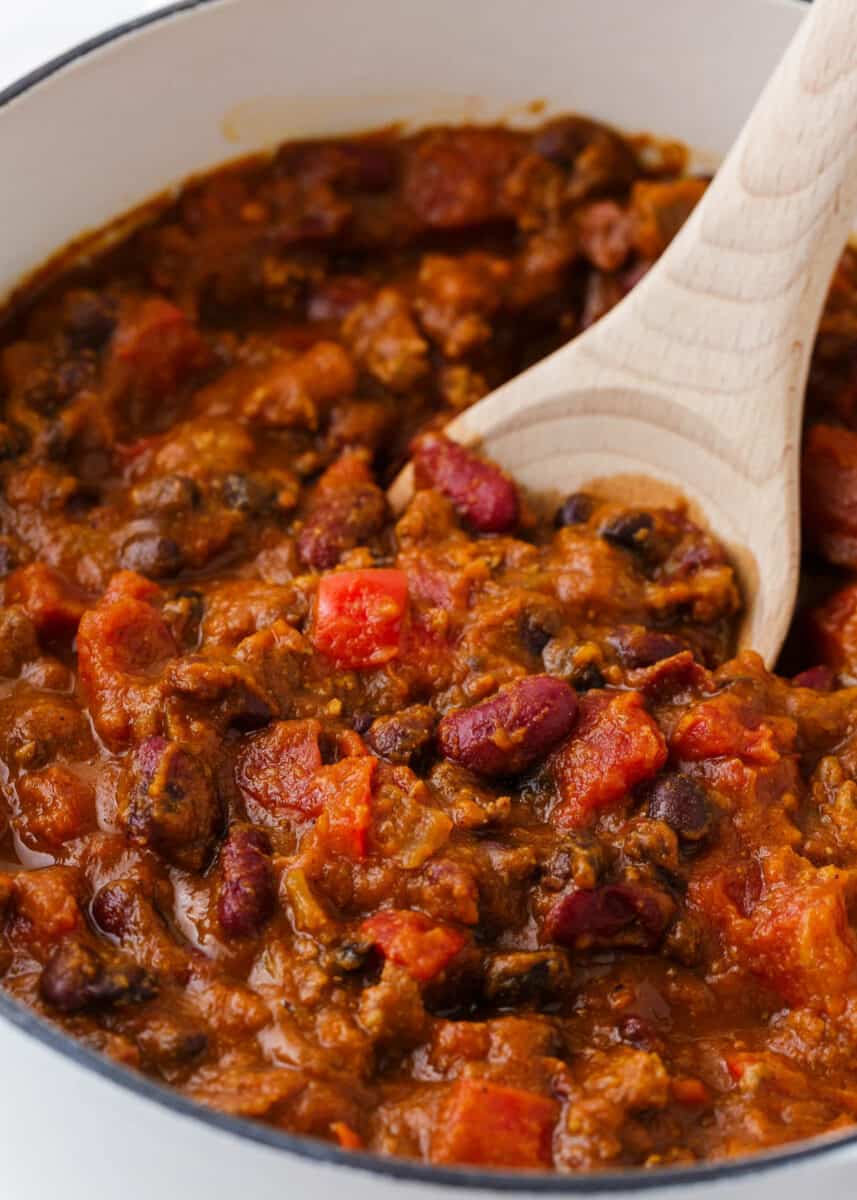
x=590 y=1183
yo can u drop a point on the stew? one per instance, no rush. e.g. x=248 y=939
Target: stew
x=458 y=835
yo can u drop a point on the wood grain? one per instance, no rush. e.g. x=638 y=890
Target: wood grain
x=697 y=378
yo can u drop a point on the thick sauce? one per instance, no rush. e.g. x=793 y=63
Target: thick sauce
x=457 y=836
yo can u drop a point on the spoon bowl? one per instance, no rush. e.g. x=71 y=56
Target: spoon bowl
x=693 y=385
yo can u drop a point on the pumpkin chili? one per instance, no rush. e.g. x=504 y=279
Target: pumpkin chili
x=458 y=835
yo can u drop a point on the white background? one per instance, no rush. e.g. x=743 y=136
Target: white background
x=32 y=31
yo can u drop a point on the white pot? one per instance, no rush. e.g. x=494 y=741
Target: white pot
x=102 y=130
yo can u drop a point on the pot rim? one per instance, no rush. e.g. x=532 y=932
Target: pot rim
x=635 y=1180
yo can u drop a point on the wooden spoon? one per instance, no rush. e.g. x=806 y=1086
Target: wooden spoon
x=697 y=378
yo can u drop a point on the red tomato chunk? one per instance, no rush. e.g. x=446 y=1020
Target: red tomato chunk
x=360 y=617
x=486 y=1124
x=615 y=746
x=414 y=942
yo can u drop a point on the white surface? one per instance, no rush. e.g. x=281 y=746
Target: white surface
x=35 y=30
x=136 y=116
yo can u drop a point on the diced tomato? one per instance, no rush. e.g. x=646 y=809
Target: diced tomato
x=130 y=584
x=343 y=793
x=488 y=1124
x=347 y=1137
x=54 y=605
x=48 y=901
x=615 y=745
x=360 y=616
x=787 y=924
x=158 y=341
x=721 y=728
x=277 y=767
x=801 y=943
x=414 y=942
x=121 y=642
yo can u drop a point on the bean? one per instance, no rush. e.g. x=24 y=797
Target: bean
x=246 y=898
x=513 y=729
x=246 y=493
x=820 y=679
x=152 y=555
x=361 y=722
x=401 y=736
x=88 y=318
x=343 y=520
x=171 y=803
x=637 y=1031
x=77 y=977
x=480 y=492
x=576 y=509
x=603 y=912
x=166 y=494
x=538 y=624
x=630 y=531
x=680 y=802
x=526 y=977
x=639 y=647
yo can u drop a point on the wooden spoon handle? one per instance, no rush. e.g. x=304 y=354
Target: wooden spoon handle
x=725 y=322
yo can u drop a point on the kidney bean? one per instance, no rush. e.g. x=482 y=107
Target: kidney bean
x=513 y=729
x=680 y=802
x=639 y=647
x=77 y=977
x=480 y=492
x=344 y=519
x=246 y=898
x=171 y=803
x=820 y=679
x=603 y=912
x=630 y=531
x=576 y=509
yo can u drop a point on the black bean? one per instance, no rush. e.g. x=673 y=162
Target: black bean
x=360 y=721
x=246 y=494
x=576 y=509
x=76 y=977
x=587 y=678
x=13 y=441
x=533 y=977
x=639 y=647
x=538 y=625
x=630 y=531
x=680 y=802
x=350 y=956
x=88 y=319
x=151 y=554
